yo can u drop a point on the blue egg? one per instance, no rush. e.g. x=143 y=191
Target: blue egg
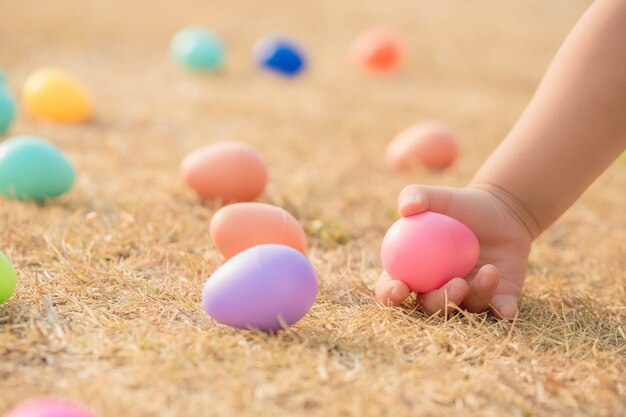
x=198 y=49
x=33 y=169
x=7 y=109
x=280 y=55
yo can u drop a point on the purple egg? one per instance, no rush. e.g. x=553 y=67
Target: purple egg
x=261 y=288
x=47 y=407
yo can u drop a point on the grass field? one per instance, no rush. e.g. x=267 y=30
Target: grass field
x=107 y=310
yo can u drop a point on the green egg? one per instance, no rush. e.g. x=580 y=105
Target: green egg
x=7 y=109
x=33 y=169
x=8 y=279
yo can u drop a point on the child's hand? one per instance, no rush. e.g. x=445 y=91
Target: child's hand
x=496 y=282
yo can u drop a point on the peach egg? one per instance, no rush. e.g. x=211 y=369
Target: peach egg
x=237 y=227
x=227 y=171
x=378 y=50
x=431 y=144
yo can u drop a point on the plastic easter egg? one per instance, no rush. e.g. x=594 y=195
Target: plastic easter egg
x=198 y=49
x=7 y=109
x=48 y=407
x=228 y=171
x=261 y=287
x=8 y=279
x=280 y=55
x=54 y=94
x=433 y=145
x=33 y=169
x=428 y=249
x=240 y=226
x=379 y=51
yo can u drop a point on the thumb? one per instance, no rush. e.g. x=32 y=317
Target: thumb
x=414 y=199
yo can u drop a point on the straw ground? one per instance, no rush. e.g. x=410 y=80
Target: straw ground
x=107 y=309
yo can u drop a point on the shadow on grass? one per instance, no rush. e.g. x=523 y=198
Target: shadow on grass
x=14 y=315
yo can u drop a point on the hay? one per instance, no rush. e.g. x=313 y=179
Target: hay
x=107 y=310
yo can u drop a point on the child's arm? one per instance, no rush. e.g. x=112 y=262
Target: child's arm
x=573 y=128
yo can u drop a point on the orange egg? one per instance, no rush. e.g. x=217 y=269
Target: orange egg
x=430 y=144
x=240 y=226
x=227 y=171
x=378 y=50
x=54 y=94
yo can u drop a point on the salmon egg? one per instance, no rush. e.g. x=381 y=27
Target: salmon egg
x=430 y=144
x=227 y=171
x=378 y=50
x=237 y=227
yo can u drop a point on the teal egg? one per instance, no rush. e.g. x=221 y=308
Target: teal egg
x=33 y=169
x=7 y=109
x=198 y=49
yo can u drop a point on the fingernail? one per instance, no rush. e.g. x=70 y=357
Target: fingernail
x=411 y=199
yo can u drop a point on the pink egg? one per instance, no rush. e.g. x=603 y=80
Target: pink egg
x=429 y=249
x=47 y=407
x=227 y=171
x=430 y=144
x=237 y=227
x=378 y=50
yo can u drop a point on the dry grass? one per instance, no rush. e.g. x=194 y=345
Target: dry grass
x=107 y=310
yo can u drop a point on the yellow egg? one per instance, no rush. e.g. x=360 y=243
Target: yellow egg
x=54 y=94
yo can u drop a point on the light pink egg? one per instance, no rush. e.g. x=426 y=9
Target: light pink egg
x=431 y=144
x=47 y=407
x=228 y=171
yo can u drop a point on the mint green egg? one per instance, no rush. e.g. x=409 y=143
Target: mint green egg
x=197 y=49
x=33 y=169
x=7 y=109
x=8 y=279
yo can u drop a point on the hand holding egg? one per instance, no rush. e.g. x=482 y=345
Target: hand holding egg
x=427 y=250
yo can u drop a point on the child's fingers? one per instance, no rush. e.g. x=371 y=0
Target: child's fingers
x=414 y=199
x=389 y=291
x=482 y=289
x=504 y=306
x=435 y=301
x=505 y=299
